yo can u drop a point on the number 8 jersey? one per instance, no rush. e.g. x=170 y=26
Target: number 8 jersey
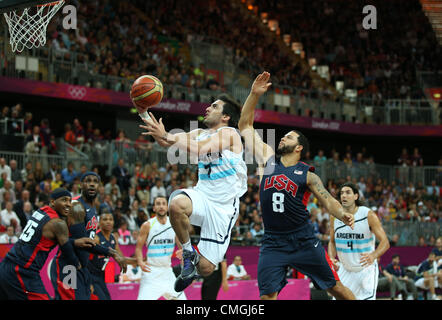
x=284 y=195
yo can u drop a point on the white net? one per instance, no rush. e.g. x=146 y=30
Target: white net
x=27 y=28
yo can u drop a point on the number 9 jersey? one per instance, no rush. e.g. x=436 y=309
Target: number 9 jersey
x=284 y=195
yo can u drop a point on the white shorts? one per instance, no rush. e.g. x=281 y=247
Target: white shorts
x=216 y=222
x=363 y=283
x=420 y=283
x=159 y=283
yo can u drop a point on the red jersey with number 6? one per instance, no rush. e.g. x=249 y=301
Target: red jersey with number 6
x=32 y=248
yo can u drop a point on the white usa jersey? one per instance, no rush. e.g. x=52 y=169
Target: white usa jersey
x=222 y=176
x=160 y=243
x=351 y=243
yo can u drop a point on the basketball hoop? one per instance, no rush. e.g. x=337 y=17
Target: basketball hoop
x=28 y=29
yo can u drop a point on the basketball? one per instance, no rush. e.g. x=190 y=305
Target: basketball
x=146 y=92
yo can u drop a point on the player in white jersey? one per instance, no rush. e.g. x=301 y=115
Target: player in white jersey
x=213 y=204
x=157 y=279
x=357 y=266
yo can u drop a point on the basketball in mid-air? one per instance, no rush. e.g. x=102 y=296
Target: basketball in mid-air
x=146 y=92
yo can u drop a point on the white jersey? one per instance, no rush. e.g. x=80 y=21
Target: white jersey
x=160 y=243
x=222 y=176
x=351 y=243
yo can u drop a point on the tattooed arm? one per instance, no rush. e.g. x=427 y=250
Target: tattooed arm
x=332 y=205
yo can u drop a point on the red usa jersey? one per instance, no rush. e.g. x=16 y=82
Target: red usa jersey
x=32 y=248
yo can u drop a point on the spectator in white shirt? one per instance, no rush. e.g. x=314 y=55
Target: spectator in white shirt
x=236 y=270
x=7 y=188
x=112 y=184
x=157 y=190
x=9 y=237
x=257 y=230
x=5 y=168
x=9 y=217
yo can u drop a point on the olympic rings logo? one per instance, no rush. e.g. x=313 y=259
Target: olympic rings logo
x=77 y=92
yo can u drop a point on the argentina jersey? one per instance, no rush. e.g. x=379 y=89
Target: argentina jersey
x=351 y=243
x=160 y=243
x=284 y=195
x=222 y=176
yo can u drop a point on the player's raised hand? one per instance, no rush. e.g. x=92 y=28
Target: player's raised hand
x=261 y=83
x=155 y=129
x=153 y=126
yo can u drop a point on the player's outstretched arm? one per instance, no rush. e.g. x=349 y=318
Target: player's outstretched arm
x=183 y=140
x=261 y=151
x=141 y=240
x=332 y=205
x=60 y=232
x=384 y=243
x=225 y=138
x=127 y=260
x=157 y=130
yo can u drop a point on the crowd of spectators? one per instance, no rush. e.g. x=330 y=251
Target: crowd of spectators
x=130 y=189
x=398 y=200
x=379 y=63
x=155 y=37
x=129 y=196
x=131 y=45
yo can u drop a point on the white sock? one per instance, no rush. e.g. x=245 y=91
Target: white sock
x=187 y=246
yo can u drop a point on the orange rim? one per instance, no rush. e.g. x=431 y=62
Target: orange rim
x=48 y=4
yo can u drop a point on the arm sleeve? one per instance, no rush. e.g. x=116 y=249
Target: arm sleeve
x=68 y=252
x=79 y=231
x=100 y=250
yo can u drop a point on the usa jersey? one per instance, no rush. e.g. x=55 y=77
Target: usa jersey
x=351 y=243
x=97 y=263
x=91 y=224
x=284 y=195
x=32 y=249
x=90 y=219
x=222 y=176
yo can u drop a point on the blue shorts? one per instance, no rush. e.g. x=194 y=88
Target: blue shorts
x=100 y=287
x=60 y=279
x=18 y=283
x=301 y=250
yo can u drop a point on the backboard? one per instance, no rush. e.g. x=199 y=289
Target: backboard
x=9 y=5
